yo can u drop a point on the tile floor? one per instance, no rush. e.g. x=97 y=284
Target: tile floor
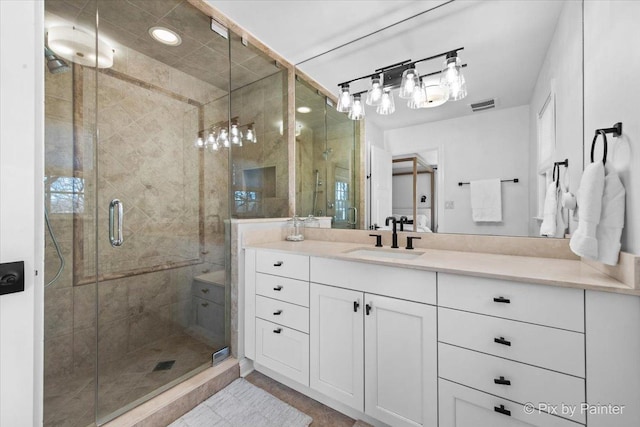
x=322 y=415
x=69 y=400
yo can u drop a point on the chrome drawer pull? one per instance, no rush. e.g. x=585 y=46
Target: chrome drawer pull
x=501 y=381
x=205 y=290
x=501 y=409
x=205 y=304
x=277 y=331
x=277 y=313
x=502 y=300
x=502 y=341
x=278 y=288
x=278 y=264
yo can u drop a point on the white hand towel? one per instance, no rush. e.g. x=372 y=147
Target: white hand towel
x=548 y=227
x=486 y=200
x=611 y=223
x=584 y=242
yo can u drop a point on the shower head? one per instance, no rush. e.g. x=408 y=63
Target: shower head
x=55 y=64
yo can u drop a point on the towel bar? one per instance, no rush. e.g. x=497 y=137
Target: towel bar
x=502 y=180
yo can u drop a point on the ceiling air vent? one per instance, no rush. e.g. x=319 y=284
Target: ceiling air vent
x=483 y=105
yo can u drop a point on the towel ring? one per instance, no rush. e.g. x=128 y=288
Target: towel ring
x=556 y=168
x=593 y=145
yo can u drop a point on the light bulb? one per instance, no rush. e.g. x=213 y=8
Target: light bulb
x=213 y=147
x=387 y=105
x=451 y=76
x=357 y=109
x=408 y=83
x=344 y=99
x=374 y=95
x=211 y=139
x=236 y=135
x=199 y=142
x=251 y=136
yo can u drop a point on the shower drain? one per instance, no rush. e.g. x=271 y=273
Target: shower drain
x=164 y=366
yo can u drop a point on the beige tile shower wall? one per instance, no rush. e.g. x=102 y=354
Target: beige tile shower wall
x=305 y=174
x=146 y=159
x=262 y=103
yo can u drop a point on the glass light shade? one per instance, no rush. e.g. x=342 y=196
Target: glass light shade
x=211 y=139
x=374 y=94
x=236 y=135
x=418 y=98
x=213 y=147
x=344 y=99
x=199 y=142
x=435 y=95
x=357 y=109
x=223 y=138
x=409 y=81
x=458 y=90
x=387 y=106
x=250 y=136
x=452 y=77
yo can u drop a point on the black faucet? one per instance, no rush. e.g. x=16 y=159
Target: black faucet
x=394 y=236
x=403 y=220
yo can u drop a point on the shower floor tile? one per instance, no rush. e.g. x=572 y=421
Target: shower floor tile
x=69 y=400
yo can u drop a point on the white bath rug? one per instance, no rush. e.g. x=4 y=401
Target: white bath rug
x=241 y=404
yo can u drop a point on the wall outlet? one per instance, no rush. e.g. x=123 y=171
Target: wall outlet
x=448 y=204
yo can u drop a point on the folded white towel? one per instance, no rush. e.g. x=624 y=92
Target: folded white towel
x=486 y=200
x=584 y=242
x=611 y=223
x=549 y=214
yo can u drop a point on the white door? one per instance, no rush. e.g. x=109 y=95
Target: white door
x=400 y=362
x=336 y=334
x=381 y=185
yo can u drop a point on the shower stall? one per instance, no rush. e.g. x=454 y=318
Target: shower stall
x=138 y=197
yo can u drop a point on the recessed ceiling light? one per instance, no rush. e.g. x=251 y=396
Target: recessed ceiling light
x=304 y=110
x=165 y=35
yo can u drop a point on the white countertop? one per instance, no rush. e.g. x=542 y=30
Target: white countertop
x=547 y=271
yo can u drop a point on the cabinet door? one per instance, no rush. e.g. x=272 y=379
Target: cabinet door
x=465 y=407
x=336 y=334
x=400 y=361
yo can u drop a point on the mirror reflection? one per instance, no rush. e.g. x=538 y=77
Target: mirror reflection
x=484 y=163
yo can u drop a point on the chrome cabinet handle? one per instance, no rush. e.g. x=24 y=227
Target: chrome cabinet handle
x=115 y=203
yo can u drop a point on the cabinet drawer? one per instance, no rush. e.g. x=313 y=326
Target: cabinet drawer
x=283 y=350
x=403 y=283
x=527 y=383
x=462 y=406
x=282 y=288
x=283 y=264
x=283 y=313
x=542 y=346
x=540 y=304
x=209 y=291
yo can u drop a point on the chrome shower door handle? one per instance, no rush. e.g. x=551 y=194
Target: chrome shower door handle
x=355 y=216
x=115 y=203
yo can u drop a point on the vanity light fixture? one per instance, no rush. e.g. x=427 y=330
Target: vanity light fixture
x=220 y=135
x=165 y=36
x=417 y=89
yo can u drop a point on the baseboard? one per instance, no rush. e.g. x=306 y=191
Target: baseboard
x=246 y=367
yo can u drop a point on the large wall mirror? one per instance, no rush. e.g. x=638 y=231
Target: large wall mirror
x=524 y=66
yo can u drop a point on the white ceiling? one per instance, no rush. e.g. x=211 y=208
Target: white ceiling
x=505 y=42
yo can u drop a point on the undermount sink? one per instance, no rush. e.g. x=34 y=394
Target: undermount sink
x=387 y=254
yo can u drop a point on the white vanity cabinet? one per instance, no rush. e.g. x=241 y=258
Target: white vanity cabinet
x=503 y=345
x=375 y=353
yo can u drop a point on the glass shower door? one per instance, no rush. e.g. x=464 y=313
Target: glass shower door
x=161 y=201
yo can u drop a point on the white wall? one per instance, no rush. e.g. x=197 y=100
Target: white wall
x=612 y=94
x=21 y=104
x=403 y=191
x=373 y=136
x=490 y=144
x=561 y=73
